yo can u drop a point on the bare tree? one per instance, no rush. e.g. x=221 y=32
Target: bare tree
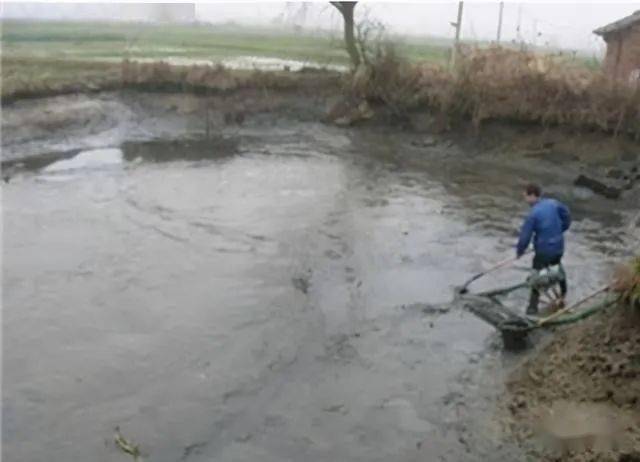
x=346 y=10
x=369 y=37
x=294 y=15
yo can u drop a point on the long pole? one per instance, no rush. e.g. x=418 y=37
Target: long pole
x=458 y=25
x=519 y=28
x=497 y=266
x=500 y=23
x=557 y=314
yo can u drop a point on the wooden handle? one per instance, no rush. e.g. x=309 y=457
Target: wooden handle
x=502 y=263
x=569 y=308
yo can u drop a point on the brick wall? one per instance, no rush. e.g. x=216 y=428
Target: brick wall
x=623 y=53
x=612 y=58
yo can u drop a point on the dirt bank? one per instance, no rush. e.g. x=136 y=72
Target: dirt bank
x=587 y=372
x=495 y=84
x=60 y=125
x=38 y=131
x=28 y=78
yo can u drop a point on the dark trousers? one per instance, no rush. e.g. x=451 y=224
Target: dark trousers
x=539 y=262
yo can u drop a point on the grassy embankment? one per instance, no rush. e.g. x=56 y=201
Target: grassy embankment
x=40 y=58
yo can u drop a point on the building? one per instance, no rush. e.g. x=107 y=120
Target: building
x=622 y=61
x=105 y=11
x=158 y=12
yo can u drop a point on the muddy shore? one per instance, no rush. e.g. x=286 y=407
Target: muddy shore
x=577 y=399
x=257 y=204
x=605 y=165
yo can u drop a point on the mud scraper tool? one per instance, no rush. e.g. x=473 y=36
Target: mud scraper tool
x=463 y=289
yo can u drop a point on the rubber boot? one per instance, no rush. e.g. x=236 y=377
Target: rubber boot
x=532 y=309
x=563 y=282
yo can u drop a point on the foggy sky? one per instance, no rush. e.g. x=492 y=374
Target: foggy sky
x=566 y=25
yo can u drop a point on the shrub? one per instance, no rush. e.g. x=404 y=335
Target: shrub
x=501 y=83
x=387 y=77
x=626 y=283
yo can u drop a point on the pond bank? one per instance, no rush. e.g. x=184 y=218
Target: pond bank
x=580 y=393
x=37 y=130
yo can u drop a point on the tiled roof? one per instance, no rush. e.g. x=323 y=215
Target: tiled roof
x=619 y=24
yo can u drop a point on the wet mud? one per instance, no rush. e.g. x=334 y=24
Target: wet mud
x=277 y=291
x=578 y=399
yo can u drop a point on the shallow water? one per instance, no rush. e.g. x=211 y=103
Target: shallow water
x=277 y=64
x=258 y=304
x=241 y=62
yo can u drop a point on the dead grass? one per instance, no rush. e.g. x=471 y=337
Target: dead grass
x=499 y=83
x=389 y=79
x=626 y=282
x=217 y=79
x=24 y=78
x=28 y=77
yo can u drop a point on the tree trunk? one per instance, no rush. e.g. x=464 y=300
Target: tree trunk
x=346 y=10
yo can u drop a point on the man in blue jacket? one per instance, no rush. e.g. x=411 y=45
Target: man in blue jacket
x=546 y=223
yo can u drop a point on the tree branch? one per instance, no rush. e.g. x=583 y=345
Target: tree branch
x=346 y=10
x=338 y=6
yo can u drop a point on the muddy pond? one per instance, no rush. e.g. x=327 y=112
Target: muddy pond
x=271 y=295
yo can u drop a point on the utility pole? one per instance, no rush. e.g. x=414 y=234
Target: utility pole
x=458 y=26
x=500 y=23
x=518 y=29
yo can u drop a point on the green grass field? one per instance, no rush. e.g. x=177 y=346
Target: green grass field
x=95 y=41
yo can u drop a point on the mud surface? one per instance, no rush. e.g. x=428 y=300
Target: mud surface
x=274 y=298
x=578 y=399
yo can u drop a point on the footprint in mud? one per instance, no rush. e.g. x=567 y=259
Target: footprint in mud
x=243 y=438
x=332 y=254
x=368 y=202
x=274 y=420
x=192 y=449
x=302 y=282
x=338 y=348
x=405 y=416
x=453 y=397
x=426 y=308
x=341 y=408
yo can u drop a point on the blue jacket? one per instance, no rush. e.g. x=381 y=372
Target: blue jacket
x=548 y=220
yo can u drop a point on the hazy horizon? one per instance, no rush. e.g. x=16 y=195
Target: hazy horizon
x=557 y=25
